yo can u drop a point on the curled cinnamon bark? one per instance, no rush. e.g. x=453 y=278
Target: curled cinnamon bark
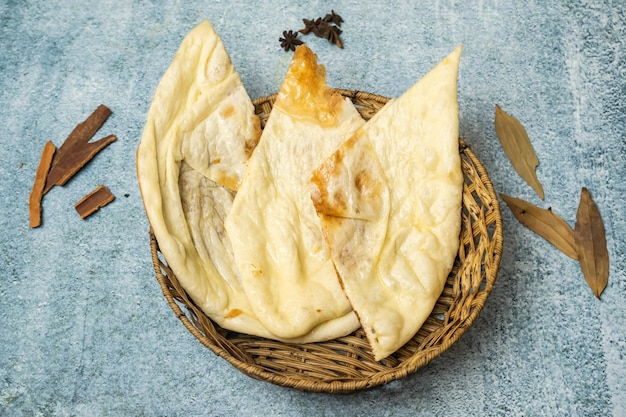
x=93 y=201
x=76 y=150
x=37 y=192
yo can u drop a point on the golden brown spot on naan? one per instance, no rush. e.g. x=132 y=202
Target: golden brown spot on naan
x=363 y=180
x=368 y=185
x=233 y=313
x=323 y=202
x=304 y=91
x=227 y=181
x=253 y=141
x=340 y=200
x=227 y=111
x=320 y=177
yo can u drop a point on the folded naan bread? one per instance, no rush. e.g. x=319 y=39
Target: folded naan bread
x=389 y=200
x=285 y=266
x=200 y=131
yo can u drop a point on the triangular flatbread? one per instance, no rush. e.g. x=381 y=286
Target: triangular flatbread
x=390 y=205
x=200 y=130
x=285 y=267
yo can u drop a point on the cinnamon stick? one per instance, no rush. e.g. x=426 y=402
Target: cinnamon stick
x=37 y=192
x=74 y=160
x=76 y=150
x=93 y=201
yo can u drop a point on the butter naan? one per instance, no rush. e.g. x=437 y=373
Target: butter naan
x=285 y=266
x=200 y=131
x=390 y=204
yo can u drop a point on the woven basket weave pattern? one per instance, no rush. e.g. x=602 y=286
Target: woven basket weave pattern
x=346 y=364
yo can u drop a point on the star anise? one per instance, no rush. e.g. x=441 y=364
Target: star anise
x=318 y=27
x=290 y=40
x=333 y=36
x=321 y=28
x=333 y=18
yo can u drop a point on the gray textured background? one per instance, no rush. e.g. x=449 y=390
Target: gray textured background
x=84 y=329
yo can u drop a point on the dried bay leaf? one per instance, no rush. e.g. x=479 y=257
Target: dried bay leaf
x=545 y=223
x=517 y=147
x=590 y=237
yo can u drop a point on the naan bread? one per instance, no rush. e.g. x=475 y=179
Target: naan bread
x=285 y=266
x=200 y=131
x=389 y=200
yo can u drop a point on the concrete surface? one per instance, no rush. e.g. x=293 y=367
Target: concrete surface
x=84 y=328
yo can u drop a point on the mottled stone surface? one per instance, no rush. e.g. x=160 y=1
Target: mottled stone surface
x=84 y=329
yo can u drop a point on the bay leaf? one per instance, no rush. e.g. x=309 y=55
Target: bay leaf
x=545 y=223
x=517 y=147
x=590 y=237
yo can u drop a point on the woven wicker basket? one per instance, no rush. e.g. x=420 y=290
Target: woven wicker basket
x=346 y=364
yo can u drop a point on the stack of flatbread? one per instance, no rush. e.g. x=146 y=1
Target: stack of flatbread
x=316 y=226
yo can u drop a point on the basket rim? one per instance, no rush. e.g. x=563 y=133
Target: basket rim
x=401 y=370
